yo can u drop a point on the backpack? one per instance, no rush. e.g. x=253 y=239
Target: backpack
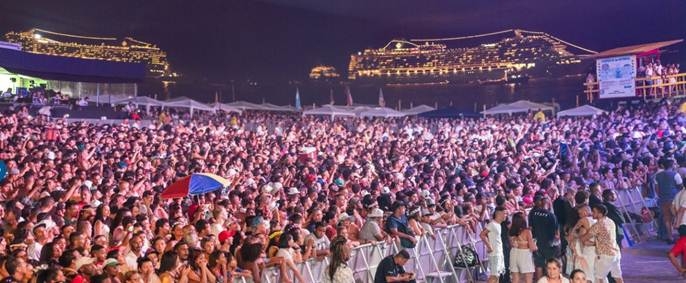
x=468 y=258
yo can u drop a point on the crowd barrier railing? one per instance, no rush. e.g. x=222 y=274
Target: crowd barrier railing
x=432 y=260
x=631 y=201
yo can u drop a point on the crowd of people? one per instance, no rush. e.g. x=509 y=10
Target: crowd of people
x=662 y=78
x=81 y=202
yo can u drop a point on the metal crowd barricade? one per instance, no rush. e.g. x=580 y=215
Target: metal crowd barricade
x=631 y=201
x=365 y=259
x=431 y=259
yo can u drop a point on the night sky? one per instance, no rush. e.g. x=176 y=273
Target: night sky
x=279 y=40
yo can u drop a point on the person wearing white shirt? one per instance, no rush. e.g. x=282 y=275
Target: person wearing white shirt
x=83 y=102
x=492 y=238
x=553 y=268
x=40 y=239
x=679 y=207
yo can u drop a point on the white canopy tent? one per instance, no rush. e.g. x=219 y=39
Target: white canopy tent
x=140 y=101
x=532 y=106
x=277 y=108
x=226 y=108
x=109 y=98
x=418 y=110
x=359 y=109
x=500 y=109
x=584 y=110
x=244 y=105
x=521 y=106
x=383 y=112
x=176 y=99
x=329 y=111
x=191 y=104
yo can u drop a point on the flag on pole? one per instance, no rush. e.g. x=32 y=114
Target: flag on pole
x=348 y=96
x=331 y=101
x=382 y=102
x=298 y=106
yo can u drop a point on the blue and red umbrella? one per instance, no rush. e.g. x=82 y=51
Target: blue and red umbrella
x=196 y=184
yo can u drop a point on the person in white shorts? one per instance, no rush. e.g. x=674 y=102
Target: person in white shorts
x=609 y=256
x=491 y=237
x=584 y=252
x=521 y=256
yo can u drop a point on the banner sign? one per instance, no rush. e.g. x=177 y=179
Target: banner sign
x=616 y=76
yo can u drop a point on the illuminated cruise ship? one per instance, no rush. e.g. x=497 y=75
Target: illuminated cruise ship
x=101 y=48
x=515 y=56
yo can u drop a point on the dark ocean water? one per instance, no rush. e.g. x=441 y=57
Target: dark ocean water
x=466 y=97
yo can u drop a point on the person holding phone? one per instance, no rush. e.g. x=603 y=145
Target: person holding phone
x=391 y=269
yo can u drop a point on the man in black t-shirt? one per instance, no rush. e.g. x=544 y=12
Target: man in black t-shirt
x=391 y=269
x=544 y=228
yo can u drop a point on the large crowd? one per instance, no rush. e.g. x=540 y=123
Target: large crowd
x=81 y=202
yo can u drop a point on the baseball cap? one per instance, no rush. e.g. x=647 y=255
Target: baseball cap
x=111 y=262
x=344 y=216
x=293 y=191
x=83 y=261
x=225 y=235
x=376 y=213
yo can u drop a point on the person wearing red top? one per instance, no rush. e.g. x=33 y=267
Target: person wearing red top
x=679 y=249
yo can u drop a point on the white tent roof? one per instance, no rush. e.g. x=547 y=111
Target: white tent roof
x=329 y=111
x=225 y=108
x=500 y=109
x=517 y=107
x=141 y=100
x=273 y=107
x=382 y=112
x=533 y=106
x=244 y=105
x=418 y=110
x=175 y=99
x=108 y=98
x=584 y=110
x=359 y=109
x=188 y=103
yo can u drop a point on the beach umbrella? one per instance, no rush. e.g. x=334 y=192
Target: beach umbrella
x=196 y=184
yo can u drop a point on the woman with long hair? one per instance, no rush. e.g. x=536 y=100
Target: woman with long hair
x=50 y=253
x=521 y=260
x=169 y=267
x=102 y=221
x=286 y=251
x=338 y=270
x=199 y=272
x=218 y=265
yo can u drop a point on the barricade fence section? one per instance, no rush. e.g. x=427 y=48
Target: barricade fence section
x=631 y=203
x=432 y=260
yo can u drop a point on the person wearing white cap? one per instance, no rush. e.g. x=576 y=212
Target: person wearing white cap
x=348 y=222
x=371 y=230
x=293 y=191
x=85 y=266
